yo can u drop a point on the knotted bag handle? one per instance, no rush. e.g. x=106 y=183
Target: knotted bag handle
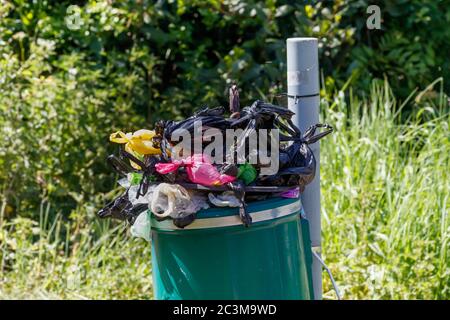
x=310 y=137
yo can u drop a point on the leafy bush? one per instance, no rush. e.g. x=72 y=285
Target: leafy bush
x=411 y=48
x=55 y=118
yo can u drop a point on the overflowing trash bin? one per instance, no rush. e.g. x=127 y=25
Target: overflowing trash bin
x=223 y=214
x=217 y=258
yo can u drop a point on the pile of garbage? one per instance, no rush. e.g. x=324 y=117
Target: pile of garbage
x=166 y=181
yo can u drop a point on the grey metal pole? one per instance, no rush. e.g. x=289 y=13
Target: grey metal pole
x=303 y=81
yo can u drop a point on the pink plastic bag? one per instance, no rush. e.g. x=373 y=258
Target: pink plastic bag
x=165 y=168
x=291 y=193
x=199 y=170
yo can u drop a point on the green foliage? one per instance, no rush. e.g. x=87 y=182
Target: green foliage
x=385 y=198
x=54 y=129
x=411 y=49
x=189 y=51
x=56 y=259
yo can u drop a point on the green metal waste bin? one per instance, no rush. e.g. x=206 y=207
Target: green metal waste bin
x=216 y=257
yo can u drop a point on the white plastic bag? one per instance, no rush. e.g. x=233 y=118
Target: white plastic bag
x=141 y=228
x=175 y=201
x=226 y=199
x=147 y=198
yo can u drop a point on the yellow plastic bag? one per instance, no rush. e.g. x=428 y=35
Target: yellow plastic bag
x=140 y=141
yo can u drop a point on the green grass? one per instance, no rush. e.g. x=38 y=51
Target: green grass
x=385 y=190
x=385 y=196
x=72 y=260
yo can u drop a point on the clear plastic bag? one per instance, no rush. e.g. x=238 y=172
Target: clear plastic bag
x=225 y=199
x=142 y=226
x=175 y=201
x=143 y=199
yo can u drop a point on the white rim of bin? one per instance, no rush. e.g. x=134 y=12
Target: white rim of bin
x=219 y=222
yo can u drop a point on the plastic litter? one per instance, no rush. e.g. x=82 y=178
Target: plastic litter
x=175 y=201
x=139 y=141
x=134 y=178
x=121 y=208
x=199 y=170
x=142 y=226
x=229 y=169
x=119 y=166
x=292 y=193
x=157 y=184
x=238 y=188
x=138 y=144
x=297 y=162
x=210 y=118
x=234 y=102
x=247 y=173
x=147 y=169
x=260 y=115
x=226 y=199
x=136 y=199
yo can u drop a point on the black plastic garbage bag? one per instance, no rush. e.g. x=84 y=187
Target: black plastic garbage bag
x=261 y=115
x=297 y=161
x=122 y=209
x=209 y=118
x=120 y=166
x=238 y=187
